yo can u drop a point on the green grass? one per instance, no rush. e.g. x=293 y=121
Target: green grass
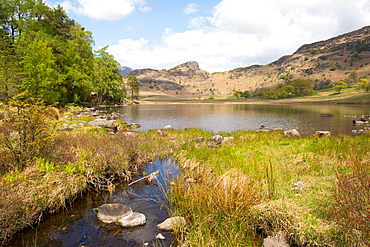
x=249 y=183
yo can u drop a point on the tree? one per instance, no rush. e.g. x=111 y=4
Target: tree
x=38 y=64
x=237 y=93
x=134 y=86
x=245 y=94
x=364 y=84
x=302 y=87
x=9 y=70
x=339 y=85
x=107 y=77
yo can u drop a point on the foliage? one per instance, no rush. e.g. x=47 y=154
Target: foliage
x=25 y=135
x=107 y=78
x=364 y=84
x=339 y=85
x=245 y=94
x=133 y=85
x=50 y=56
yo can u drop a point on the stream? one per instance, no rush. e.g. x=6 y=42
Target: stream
x=79 y=226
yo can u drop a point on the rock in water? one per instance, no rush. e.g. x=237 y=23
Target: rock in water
x=116 y=212
x=109 y=213
x=170 y=223
x=132 y=220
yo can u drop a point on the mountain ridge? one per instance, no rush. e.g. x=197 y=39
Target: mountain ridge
x=321 y=62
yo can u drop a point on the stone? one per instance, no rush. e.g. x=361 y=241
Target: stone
x=198 y=139
x=167 y=127
x=291 y=133
x=229 y=138
x=112 y=212
x=104 y=123
x=322 y=133
x=170 y=223
x=161 y=133
x=134 y=125
x=132 y=220
x=217 y=139
x=160 y=236
x=280 y=240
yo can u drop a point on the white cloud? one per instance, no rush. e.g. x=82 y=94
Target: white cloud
x=191 y=8
x=241 y=33
x=110 y=10
x=145 y=9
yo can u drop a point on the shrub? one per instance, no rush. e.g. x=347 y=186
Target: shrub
x=26 y=134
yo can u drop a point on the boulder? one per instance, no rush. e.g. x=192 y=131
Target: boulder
x=132 y=220
x=109 y=213
x=104 y=123
x=322 y=133
x=217 y=139
x=291 y=133
x=116 y=212
x=170 y=223
x=167 y=127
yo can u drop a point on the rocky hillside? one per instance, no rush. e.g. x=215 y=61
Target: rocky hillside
x=321 y=62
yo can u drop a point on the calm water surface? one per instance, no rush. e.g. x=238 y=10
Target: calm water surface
x=233 y=117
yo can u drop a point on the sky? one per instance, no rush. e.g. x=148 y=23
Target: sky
x=219 y=35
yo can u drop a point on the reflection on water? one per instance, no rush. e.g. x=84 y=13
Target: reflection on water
x=233 y=117
x=79 y=225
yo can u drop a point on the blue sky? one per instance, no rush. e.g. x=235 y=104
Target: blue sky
x=219 y=35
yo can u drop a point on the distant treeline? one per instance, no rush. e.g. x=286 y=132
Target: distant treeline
x=47 y=56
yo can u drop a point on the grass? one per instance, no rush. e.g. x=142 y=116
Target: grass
x=247 y=185
x=314 y=189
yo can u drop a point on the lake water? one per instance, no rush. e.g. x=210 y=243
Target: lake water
x=220 y=117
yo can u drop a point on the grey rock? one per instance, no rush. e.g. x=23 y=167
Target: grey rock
x=217 y=139
x=170 y=223
x=167 y=127
x=104 y=123
x=109 y=213
x=291 y=133
x=161 y=133
x=322 y=133
x=132 y=220
x=229 y=138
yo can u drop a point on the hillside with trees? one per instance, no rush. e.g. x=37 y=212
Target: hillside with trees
x=47 y=56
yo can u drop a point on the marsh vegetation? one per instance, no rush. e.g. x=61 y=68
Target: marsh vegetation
x=315 y=189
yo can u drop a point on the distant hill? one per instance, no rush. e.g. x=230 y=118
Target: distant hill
x=321 y=62
x=125 y=70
